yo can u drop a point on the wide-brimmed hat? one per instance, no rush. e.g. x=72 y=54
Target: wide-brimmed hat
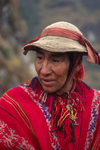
x=63 y=37
x=58 y=43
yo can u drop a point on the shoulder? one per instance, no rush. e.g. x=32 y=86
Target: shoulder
x=83 y=89
x=22 y=90
x=12 y=98
x=83 y=86
x=18 y=99
x=15 y=95
x=25 y=94
x=96 y=93
x=86 y=91
x=11 y=92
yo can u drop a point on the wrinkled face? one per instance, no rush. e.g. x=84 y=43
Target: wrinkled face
x=52 y=69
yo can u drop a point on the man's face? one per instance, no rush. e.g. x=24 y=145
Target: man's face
x=52 y=69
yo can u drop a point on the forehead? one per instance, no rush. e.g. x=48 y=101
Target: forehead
x=57 y=54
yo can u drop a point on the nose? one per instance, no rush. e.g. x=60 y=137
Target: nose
x=46 y=68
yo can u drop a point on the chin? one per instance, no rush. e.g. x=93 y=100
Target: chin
x=49 y=90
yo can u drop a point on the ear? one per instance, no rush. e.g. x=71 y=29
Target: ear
x=78 y=67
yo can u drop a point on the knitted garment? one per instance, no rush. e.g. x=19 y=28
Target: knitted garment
x=30 y=118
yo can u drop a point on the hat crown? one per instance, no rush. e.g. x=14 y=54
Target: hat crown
x=65 y=25
x=58 y=37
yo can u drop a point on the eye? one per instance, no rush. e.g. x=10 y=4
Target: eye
x=39 y=57
x=55 y=60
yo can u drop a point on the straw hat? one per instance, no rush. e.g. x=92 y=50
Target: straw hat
x=63 y=37
x=57 y=43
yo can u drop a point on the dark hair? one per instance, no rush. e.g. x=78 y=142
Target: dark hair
x=71 y=59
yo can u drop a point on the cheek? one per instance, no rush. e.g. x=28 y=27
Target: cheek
x=62 y=73
x=63 y=70
x=37 y=67
x=62 y=78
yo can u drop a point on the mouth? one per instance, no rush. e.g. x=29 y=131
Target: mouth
x=47 y=82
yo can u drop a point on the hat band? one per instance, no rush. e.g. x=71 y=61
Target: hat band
x=93 y=55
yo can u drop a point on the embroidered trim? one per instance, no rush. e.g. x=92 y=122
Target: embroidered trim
x=12 y=140
x=93 y=119
x=53 y=138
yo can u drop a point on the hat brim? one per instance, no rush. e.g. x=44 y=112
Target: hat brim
x=56 y=44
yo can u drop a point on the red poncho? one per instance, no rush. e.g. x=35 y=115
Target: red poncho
x=32 y=119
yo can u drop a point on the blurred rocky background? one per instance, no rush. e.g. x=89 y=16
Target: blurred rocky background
x=22 y=20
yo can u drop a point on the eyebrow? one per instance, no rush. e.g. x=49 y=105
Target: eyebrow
x=57 y=54
x=54 y=54
x=39 y=51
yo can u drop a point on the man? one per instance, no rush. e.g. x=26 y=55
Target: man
x=55 y=110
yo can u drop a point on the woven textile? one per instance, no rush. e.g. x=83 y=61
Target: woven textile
x=27 y=118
